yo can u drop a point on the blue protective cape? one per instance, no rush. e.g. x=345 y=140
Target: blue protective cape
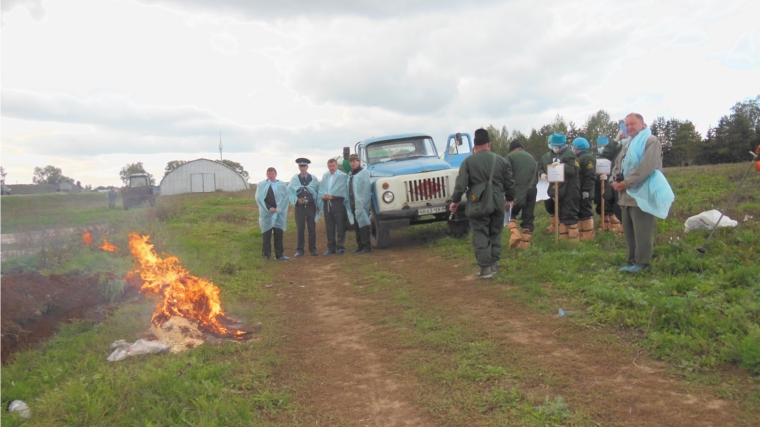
x=339 y=186
x=313 y=188
x=363 y=194
x=276 y=219
x=654 y=196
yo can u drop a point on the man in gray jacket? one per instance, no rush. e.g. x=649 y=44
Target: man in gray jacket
x=638 y=225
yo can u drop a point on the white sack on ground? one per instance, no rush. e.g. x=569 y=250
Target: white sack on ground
x=707 y=220
x=124 y=349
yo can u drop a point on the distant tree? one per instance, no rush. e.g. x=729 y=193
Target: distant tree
x=680 y=141
x=131 y=169
x=600 y=124
x=500 y=139
x=237 y=167
x=735 y=135
x=49 y=175
x=173 y=164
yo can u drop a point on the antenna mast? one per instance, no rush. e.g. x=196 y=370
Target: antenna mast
x=220 y=146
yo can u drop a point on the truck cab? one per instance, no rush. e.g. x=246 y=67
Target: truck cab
x=411 y=185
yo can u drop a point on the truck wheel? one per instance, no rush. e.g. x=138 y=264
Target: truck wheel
x=459 y=229
x=379 y=237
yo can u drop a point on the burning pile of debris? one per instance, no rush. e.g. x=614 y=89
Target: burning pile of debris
x=190 y=305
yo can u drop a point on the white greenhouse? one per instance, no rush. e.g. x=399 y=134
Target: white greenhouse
x=202 y=176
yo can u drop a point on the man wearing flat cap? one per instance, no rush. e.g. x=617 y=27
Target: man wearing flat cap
x=478 y=172
x=304 y=190
x=524 y=172
x=358 y=203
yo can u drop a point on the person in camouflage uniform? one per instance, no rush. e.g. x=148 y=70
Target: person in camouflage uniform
x=543 y=163
x=486 y=231
x=610 y=218
x=569 y=190
x=524 y=173
x=587 y=177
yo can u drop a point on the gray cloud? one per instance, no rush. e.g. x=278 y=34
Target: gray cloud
x=35 y=8
x=261 y=10
x=744 y=54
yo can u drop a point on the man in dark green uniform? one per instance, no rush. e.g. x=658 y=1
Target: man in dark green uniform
x=486 y=230
x=587 y=177
x=543 y=163
x=569 y=190
x=524 y=172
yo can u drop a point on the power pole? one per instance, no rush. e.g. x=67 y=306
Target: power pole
x=220 y=146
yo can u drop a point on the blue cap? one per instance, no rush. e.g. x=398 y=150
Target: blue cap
x=581 y=143
x=558 y=140
x=602 y=140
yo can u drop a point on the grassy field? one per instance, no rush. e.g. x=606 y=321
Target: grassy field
x=699 y=314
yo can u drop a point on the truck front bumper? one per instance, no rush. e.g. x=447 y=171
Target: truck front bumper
x=403 y=218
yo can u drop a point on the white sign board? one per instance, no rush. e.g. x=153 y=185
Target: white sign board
x=603 y=167
x=556 y=173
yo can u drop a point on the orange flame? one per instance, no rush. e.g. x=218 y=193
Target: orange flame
x=87 y=238
x=107 y=246
x=185 y=295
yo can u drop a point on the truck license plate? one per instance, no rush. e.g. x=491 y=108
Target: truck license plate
x=430 y=211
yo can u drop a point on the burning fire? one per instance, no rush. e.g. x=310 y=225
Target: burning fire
x=193 y=298
x=107 y=246
x=87 y=238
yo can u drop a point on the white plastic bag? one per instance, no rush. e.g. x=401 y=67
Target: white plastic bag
x=124 y=349
x=706 y=221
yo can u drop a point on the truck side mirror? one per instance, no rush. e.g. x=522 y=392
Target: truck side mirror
x=458 y=138
x=346 y=152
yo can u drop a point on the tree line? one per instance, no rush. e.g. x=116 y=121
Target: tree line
x=728 y=142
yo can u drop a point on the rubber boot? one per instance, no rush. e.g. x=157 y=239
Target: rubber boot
x=550 y=228
x=605 y=225
x=572 y=233
x=514 y=234
x=525 y=241
x=563 y=231
x=586 y=228
x=615 y=224
x=495 y=267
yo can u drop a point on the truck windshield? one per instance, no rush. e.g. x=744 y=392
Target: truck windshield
x=138 y=181
x=400 y=149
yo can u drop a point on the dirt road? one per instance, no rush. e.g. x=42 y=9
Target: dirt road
x=343 y=372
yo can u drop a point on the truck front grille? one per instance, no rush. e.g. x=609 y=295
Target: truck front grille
x=420 y=190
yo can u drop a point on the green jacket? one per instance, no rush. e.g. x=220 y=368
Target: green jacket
x=611 y=150
x=572 y=182
x=545 y=161
x=587 y=171
x=524 y=172
x=476 y=168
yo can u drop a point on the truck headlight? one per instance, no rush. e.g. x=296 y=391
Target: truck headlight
x=388 y=197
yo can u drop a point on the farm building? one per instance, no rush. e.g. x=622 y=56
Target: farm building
x=202 y=176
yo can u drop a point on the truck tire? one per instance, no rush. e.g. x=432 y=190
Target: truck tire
x=379 y=237
x=459 y=229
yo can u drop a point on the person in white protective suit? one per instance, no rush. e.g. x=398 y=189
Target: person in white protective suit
x=358 y=204
x=273 y=199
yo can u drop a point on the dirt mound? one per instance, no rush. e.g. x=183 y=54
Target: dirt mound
x=34 y=305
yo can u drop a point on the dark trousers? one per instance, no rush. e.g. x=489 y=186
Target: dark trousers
x=111 y=203
x=266 y=249
x=568 y=209
x=609 y=198
x=528 y=209
x=585 y=208
x=305 y=215
x=639 y=235
x=362 y=235
x=486 y=238
x=335 y=223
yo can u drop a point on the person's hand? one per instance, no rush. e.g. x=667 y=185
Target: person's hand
x=544 y=177
x=508 y=205
x=301 y=201
x=328 y=197
x=619 y=186
x=585 y=194
x=603 y=177
x=453 y=207
x=273 y=210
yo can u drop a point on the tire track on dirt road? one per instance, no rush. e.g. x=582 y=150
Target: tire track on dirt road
x=614 y=384
x=338 y=376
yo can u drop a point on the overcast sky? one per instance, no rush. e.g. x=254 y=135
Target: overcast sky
x=91 y=85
